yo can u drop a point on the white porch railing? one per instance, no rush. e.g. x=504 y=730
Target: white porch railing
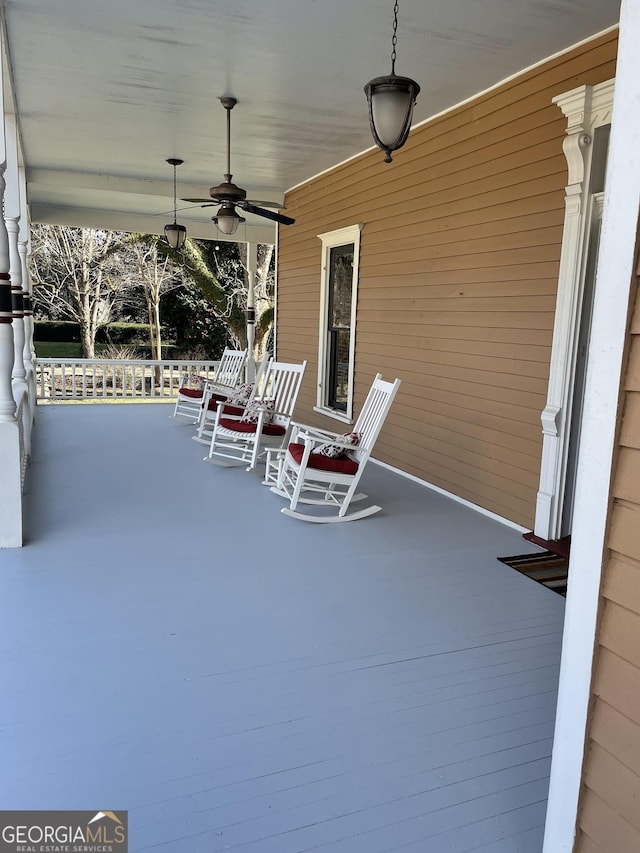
x=99 y=378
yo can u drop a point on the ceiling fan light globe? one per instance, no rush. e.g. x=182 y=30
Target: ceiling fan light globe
x=227 y=221
x=175 y=235
x=391 y=100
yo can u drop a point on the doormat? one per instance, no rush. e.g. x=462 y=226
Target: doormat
x=546 y=568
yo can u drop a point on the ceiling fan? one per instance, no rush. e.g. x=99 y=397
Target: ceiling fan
x=229 y=196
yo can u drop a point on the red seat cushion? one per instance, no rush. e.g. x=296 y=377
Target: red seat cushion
x=194 y=393
x=243 y=426
x=340 y=465
x=228 y=409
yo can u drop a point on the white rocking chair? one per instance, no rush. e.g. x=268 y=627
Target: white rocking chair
x=214 y=396
x=240 y=439
x=227 y=375
x=306 y=475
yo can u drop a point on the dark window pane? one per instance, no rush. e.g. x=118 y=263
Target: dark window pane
x=339 y=325
x=340 y=285
x=339 y=369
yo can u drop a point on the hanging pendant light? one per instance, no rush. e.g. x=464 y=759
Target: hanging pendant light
x=175 y=234
x=391 y=100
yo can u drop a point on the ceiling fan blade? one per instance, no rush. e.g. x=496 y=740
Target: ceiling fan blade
x=261 y=203
x=273 y=204
x=268 y=214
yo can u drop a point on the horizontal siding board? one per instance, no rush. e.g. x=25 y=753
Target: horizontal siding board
x=627 y=480
x=506 y=419
x=496 y=367
x=468 y=276
x=525 y=337
x=614 y=784
x=470 y=391
x=616 y=733
x=617 y=683
x=623 y=534
x=630 y=430
x=605 y=828
x=478 y=427
x=415 y=320
x=422 y=347
x=471 y=468
x=502 y=503
x=466 y=241
x=584 y=844
x=619 y=632
x=622 y=583
x=475 y=442
x=519 y=385
x=632 y=378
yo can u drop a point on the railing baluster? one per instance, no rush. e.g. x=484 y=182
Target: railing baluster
x=74 y=379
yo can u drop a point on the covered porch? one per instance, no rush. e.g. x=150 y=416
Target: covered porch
x=238 y=680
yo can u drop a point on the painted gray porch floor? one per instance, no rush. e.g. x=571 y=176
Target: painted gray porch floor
x=172 y=645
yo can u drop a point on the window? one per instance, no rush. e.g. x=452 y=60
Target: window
x=340 y=251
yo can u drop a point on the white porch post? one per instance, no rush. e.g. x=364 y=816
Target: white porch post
x=12 y=221
x=252 y=266
x=23 y=250
x=10 y=462
x=608 y=334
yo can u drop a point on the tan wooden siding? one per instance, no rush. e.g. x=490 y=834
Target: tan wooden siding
x=609 y=813
x=459 y=259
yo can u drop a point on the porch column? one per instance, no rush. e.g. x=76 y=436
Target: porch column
x=597 y=443
x=28 y=351
x=24 y=238
x=12 y=221
x=252 y=266
x=10 y=461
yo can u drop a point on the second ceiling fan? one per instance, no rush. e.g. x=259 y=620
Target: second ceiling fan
x=229 y=196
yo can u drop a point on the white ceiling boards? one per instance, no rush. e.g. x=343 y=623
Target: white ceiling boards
x=106 y=92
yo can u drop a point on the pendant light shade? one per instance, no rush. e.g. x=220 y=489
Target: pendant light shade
x=391 y=100
x=227 y=219
x=175 y=234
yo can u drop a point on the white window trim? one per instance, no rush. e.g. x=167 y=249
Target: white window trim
x=331 y=239
x=586 y=108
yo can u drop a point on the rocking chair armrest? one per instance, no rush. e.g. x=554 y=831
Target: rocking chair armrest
x=334 y=439
x=220 y=411
x=315 y=432
x=215 y=388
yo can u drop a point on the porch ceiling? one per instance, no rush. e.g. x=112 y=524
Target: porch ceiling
x=106 y=92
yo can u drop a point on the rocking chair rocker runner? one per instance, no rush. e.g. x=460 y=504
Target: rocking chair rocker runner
x=240 y=439
x=305 y=475
x=227 y=376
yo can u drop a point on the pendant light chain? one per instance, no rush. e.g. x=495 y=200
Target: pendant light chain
x=394 y=38
x=175 y=196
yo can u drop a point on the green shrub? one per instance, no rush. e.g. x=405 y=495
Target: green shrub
x=123 y=333
x=113 y=333
x=57 y=330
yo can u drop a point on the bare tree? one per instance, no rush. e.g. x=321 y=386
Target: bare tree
x=156 y=274
x=74 y=272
